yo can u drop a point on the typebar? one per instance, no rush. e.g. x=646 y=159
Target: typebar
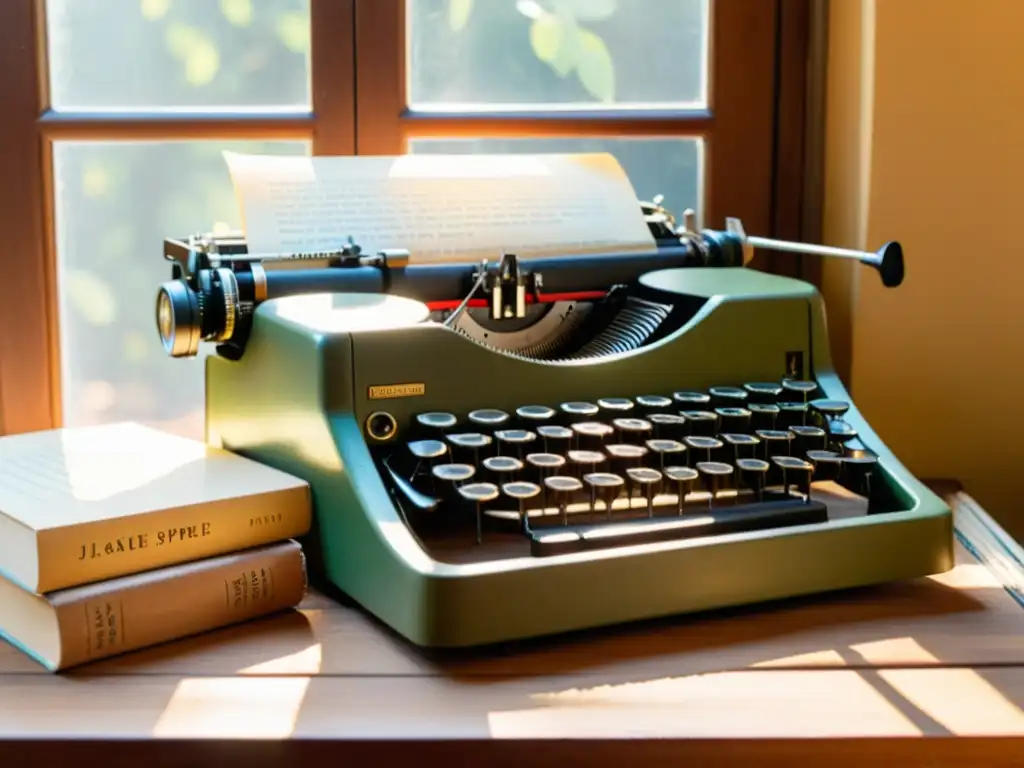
x=747 y=517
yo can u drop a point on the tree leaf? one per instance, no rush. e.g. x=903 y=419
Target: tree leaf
x=587 y=10
x=458 y=14
x=546 y=35
x=565 y=60
x=595 y=67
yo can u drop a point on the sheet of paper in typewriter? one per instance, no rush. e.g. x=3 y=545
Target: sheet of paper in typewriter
x=441 y=208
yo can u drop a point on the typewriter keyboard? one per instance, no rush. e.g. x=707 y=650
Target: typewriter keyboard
x=577 y=476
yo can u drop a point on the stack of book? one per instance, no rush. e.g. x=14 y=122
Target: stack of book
x=120 y=537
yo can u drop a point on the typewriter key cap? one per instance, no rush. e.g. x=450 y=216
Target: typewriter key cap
x=827 y=464
x=488 y=417
x=763 y=415
x=732 y=419
x=622 y=456
x=791 y=414
x=742 y=444
x=534 y=414
x=701 y=423
x=591 y=435
x=715 y=475
x=562 y=488
x=436 y=422
x=841 y=431
x=604 y=487
x=585 y=461
x=763 y=391
x=857 y=471
x=502 y=468
x=753 y=474
x=545 y=465
x=704 y=444
x=514 y=441
x=450 y=476
x=669 y=426
x=682 y=478
x=795 y=472
x=808 y=439
x=726 y=397
x=800 y=386
x=557 y=439
x=691 y=399
x=830 y=409
x=479 y=494
x=615 y=405
x=427 y=449
x=647 y=480
x=522 y=492
x=470 y=442
x=577 y=411
x=776 y=442
x=632 y=430
x=653 y=403
x=667 y=451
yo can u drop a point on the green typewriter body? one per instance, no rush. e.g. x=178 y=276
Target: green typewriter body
x=467 y=493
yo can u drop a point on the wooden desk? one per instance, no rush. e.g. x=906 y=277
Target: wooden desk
x=828 y=678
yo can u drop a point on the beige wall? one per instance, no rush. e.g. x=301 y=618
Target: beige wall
x=925 y=144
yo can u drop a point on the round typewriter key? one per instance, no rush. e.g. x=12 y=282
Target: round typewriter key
x=827 y=464
x=502 y=468
x=535 y=414
x=682 y=478
x=479 y=494
x=841 y=431
x=604 y=487
x=763 y=391
x=585 y=461
x=669 y=426
x=522 y=492
x=436 y=421
x=557 y=438
x=701 y=422
x=703 y=443
x=647 y=480
x=561 y=488
x=791 y=413
x=652 y=403
x=514 y=440
x=454 y=473
x=752 y=474
x=830 y=408
x=795 y=471
x=590 y=435
x=625 y=455
x=808 y=439
x=691 y=398
x=799 y=385
x=728 y=396
x=776 y=441
x=733 y=419
x=545 y=461
x=469 y=442
x=740 y=441
x=666 y=450
x=763 y=415
x=428 y=449
x=577 y=411
x=715 y=474
x=633 y=430
x=615 y=404
x=488 y=417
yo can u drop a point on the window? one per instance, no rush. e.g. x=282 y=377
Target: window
x=116 y=114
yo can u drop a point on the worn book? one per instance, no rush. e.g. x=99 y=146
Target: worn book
x=74 y=626
x=86 y=504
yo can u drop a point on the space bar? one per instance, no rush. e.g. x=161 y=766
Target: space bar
x=748 y=517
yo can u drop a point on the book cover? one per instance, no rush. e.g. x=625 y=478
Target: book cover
x=80 y=505
x=71 y=627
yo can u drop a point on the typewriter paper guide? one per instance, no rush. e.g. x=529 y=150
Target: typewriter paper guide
x=441 y=208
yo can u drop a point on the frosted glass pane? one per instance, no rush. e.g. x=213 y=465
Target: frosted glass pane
x=562 y=54
x=669 y=167
x=178 y=54
x=115 y=203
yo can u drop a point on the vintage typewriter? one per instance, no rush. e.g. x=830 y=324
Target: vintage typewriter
x=521 y=448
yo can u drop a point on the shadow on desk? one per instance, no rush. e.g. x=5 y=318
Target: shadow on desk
x=931 y=657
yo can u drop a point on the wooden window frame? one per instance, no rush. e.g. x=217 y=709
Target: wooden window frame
x=754 y=121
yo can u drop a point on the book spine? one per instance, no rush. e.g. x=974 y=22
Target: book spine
x=134 y=612
x=82 y=554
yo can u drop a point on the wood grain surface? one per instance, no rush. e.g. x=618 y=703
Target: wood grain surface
x=869 y=674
